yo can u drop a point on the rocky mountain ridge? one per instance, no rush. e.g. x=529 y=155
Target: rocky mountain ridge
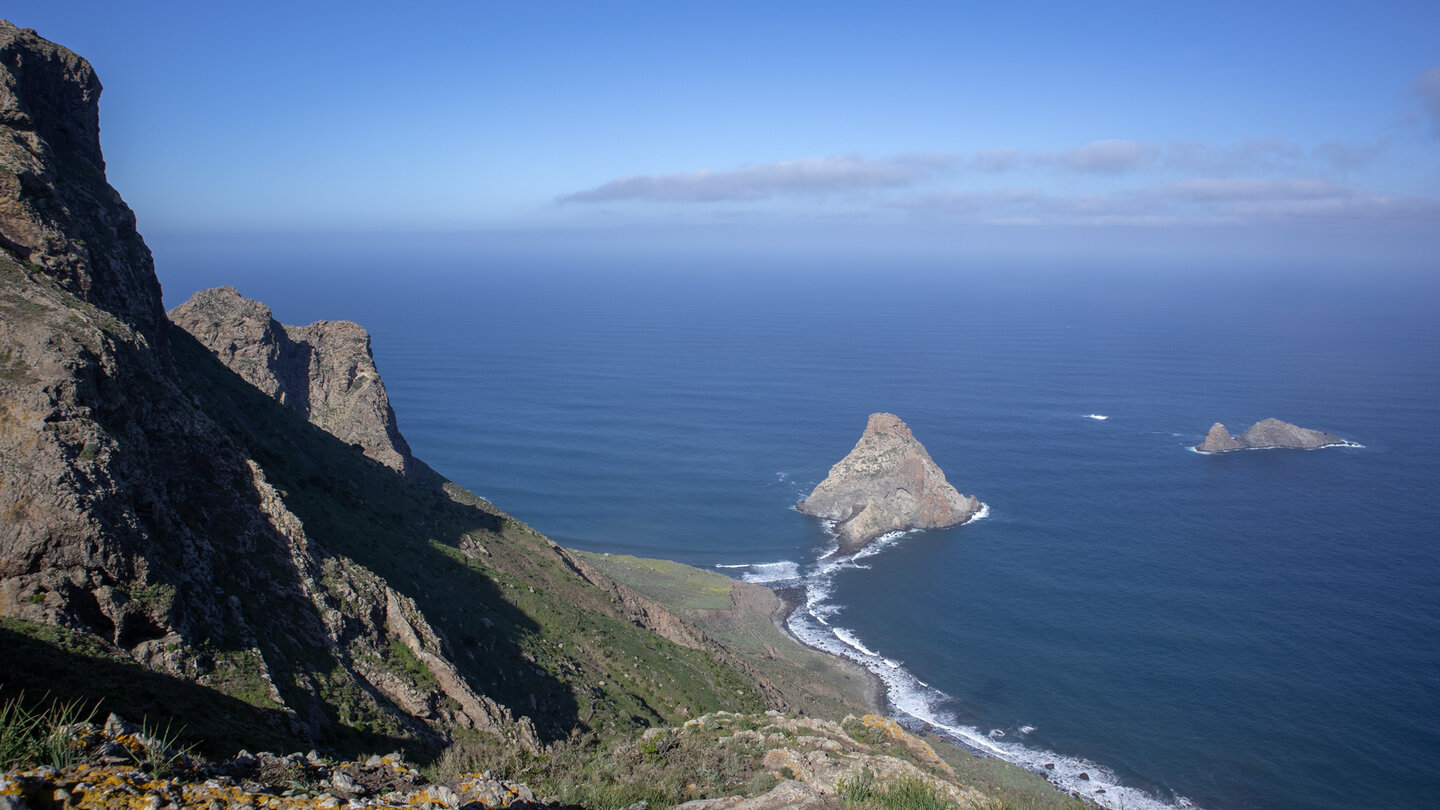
x=1267 y=434
x=324 y=371
x=887 y=483
x=57 y=212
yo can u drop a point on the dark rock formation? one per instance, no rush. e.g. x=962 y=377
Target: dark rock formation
x=887 y=483
x=1268 y=434
x=324 y=372
x=57 y=212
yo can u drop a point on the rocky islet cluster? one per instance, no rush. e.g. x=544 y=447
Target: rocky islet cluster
x=1268 y=434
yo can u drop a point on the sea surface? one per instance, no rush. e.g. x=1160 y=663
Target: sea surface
x=1249 y=630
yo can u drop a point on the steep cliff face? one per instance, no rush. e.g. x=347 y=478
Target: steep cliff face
x=324 y=371
x=57 y=212
x=887 y=483
x=157 y=504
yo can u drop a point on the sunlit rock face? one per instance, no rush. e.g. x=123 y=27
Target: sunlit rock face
x=887 y=483
x=324 y=371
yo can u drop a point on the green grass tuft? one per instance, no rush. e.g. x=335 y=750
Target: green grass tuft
x=905 y=793
x=30 y=737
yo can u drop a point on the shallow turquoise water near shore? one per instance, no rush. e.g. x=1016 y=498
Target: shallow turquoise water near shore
x=1259 y=629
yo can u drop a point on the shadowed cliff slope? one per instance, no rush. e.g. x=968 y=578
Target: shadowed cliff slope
x=324 y=372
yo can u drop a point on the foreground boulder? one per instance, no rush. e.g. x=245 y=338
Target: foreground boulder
x=1268 y=434
x=888 y=483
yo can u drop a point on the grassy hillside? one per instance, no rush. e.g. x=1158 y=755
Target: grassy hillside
x=742 y=617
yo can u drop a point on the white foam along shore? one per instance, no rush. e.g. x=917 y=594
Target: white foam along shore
x=811 y=623
x=1341 y=443
x=764 y=573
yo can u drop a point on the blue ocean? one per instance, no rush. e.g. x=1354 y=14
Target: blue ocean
x=1249 y=630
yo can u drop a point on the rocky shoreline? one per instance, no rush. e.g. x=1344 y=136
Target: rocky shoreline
x=791 y=598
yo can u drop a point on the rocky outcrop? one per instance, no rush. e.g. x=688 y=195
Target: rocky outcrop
x=104 y=773
x=1268 y=434
x=818 y=761
x=1218 y=440
x=1274 y=433
x=887 y=483
x=58 y=215
x=325 y=371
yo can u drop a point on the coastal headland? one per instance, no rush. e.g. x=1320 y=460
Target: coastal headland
x=219 y=533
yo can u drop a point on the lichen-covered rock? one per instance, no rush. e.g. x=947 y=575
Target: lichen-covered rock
x=324 y=371
x=887 y=483
x=815 y=760
x=148 y=774
x=1267 y=434
x=788 y=795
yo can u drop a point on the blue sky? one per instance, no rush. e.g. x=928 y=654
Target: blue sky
x=1306 y=130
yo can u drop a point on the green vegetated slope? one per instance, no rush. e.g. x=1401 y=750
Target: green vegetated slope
x=741 y=618
x=523 y=627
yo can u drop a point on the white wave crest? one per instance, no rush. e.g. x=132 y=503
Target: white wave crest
x=983 y=513
x=782 y=571
x=768 y=572
x=879 y=544
x=849 y=638
x=1098 y=416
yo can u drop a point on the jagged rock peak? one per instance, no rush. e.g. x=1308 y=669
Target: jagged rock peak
x=1218 y=440
x=1267 y=434
x=324 y=371
x=58 y=215
x=887 y=483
